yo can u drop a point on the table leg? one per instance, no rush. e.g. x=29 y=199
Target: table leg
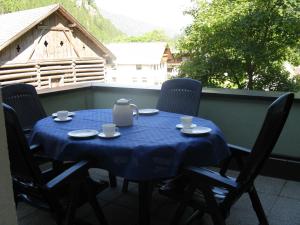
x=112 y=180
x=145 y=197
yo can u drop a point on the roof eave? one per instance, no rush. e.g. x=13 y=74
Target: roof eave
x=58 y=7
x=11 y=40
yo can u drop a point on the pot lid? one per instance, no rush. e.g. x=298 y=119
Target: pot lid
x=122 y=101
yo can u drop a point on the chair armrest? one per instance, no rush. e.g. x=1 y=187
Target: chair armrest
x=35 y=148
x=27 y=131
x=209 y=177
x=68 y=175
x=238 y=150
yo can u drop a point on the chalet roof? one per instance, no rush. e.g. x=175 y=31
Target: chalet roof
x=145 y=53
x=13 y=25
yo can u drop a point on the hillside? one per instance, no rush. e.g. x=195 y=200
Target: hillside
x=133 y=27
x=85 y=11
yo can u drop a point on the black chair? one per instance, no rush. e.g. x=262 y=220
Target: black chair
x=24 y=100
x=181 y=95
x=215 y=193
x=60 y=193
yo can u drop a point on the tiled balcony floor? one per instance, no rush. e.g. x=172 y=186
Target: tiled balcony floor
x=280 y=199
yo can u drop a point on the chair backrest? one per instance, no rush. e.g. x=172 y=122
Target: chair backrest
x=276 y=116
x=181 y=95
x=23 y=166
x=24 y=100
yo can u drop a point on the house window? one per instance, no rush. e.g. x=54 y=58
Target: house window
x=18 y=48
x=138 y=67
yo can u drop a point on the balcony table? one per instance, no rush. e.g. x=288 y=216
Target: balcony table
x=150 y=150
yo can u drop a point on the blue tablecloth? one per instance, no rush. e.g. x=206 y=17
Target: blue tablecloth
x=150 y=149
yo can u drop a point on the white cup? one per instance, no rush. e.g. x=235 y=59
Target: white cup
x=62 y=115
x=109 y=129
x=186 y=121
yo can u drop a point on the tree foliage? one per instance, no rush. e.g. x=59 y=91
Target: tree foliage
x=242 y=43
x=155 y=35
x=100 y=27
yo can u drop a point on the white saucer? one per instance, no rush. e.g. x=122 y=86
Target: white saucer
x=69 y=114
x=82 y=133
x=179 y=126
x=102 y=135
x=196 y=131
x=65 y=120
x=148 y=111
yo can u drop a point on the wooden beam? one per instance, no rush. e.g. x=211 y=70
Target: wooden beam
x=16 y=76
x=72 y=25
x=20 y=70
x=62 y=71
x=36 y=42
x=57 y=28
x=73 y=45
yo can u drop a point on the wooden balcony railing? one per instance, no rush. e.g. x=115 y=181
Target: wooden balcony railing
x=48 y=74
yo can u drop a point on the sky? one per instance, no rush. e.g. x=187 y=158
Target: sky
x=164 y=13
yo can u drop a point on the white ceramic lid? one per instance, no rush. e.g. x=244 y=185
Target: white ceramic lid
x=123 y=101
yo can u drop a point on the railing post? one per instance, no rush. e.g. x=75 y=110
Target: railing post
x=38 y=75
x=74 y=70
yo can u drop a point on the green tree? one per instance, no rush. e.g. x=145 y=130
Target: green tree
x=242 y=43
x=155 y=35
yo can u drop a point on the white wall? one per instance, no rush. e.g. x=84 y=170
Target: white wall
x=7 y=205
x=128 y=74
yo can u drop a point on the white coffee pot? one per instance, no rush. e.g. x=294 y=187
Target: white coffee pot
x=123 y=112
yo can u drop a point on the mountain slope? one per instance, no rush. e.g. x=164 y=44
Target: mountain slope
x=133 y=27
x=85 y=11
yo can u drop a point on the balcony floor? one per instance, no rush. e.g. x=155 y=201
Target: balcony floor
x=280 y=199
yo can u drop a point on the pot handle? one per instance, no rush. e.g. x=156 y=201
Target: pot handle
x=136 y=110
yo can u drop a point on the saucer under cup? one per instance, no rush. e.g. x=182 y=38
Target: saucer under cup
x=62 y=120
x=180 y=126
x=116 y=134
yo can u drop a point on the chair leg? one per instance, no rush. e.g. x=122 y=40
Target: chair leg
x=260 y=213
x=72 y=206
x=125 y=186
x=98 y=211
x=183 y=205
x=195 y=215
x=213 y=207
x=112 y=180
x=95 y=205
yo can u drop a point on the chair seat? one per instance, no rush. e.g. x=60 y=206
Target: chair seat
x=176 y=192
x=37 y=199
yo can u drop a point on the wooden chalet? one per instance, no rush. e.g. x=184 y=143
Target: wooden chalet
x=47 y=47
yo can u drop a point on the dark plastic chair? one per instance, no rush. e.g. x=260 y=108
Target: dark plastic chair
x=62 y=193
x=24 y=100
x=215 y=193
x=181 y=95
